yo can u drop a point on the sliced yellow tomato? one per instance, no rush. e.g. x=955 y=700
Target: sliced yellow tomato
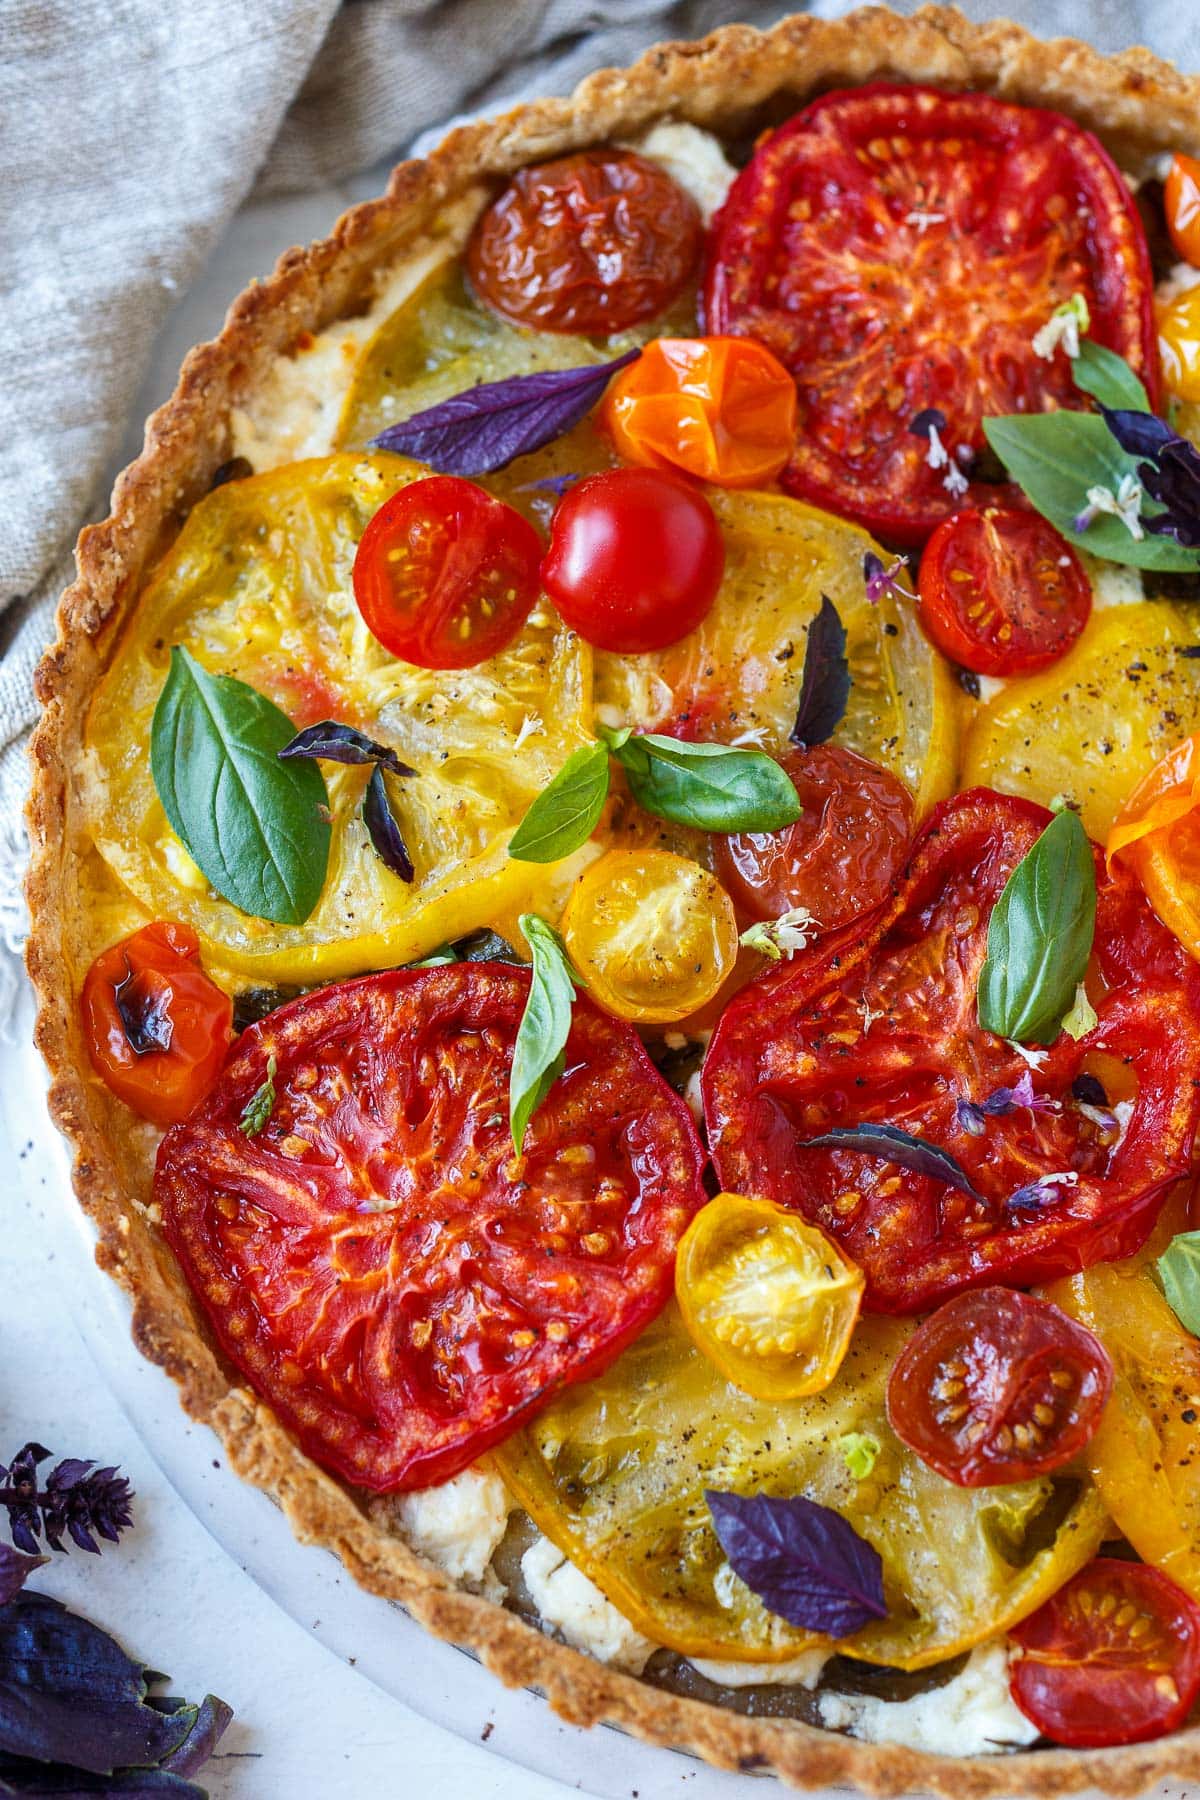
x=768 y=1298
x=615 y=1470
x=257 y=585
x=1096 y=722
x=1168 y=867
x=1179 y=344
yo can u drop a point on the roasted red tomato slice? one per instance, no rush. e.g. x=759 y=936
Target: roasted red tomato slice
x=1112 y=1658
x=400 y=1287
x=877 y=1024
x=997 y=1386
x=1002 y=592
x=897 y=248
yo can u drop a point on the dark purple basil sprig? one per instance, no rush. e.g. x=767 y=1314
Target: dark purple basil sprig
x=805 y=1562
x=383 y=829
x=327 y=741
x=1169 y=468
x=825 y=683
x=972 y=1115
x=487 y=427
x=76 y=1498
x=890 y=1144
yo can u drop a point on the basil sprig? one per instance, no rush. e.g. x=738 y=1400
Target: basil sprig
x=538 y=1053
x=567 y=812
x=257 y=827
x=1040 y=936
x=1108 y=378
x=1179 y=1271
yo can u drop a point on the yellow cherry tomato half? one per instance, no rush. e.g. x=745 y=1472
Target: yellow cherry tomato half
x=720 y=408
x=767 y=1297
x=652 y=934
x=1179 y=344
x=1181 y=202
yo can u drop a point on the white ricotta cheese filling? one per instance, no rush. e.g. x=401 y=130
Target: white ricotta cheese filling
x=694 y=159
x=457 y=1526
x=801 y=1671
x=973 y=1715
x=570 y=1603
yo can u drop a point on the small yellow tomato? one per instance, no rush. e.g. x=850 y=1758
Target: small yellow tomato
x=767 y=1297
x=1179 y=344
x=652 y=934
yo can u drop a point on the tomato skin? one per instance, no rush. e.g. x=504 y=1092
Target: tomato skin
x=399 y=1286
x=590 y=243
x=1001 y=592
x=446 y=575
x=1181 y=203
x=840 y=857
x=1083 y=1677
x=1179 y=344
x=635 y=559
x=720 y=408
x=996 y=1386
x=158 y=966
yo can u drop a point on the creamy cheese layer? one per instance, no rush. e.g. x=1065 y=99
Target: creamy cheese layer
x=973 y=1715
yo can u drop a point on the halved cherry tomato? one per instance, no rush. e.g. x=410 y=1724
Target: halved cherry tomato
x=996 y=1387
x=1179 y=344
x=398 y=1285
x=653 y=934
x=590 y=243
x=840 y=857
x=768 y=1299
x=635 y=559
x=879 y=1025
x=897 y=248
x=1112 y=1658
x=157 y=1028
x=1001 y=591
x=445 y=575
x=720 y=408
x=1181 y=203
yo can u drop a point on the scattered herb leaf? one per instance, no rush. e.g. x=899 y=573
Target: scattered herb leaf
x=860 y=1451
x=710 y=786
x=1179 y=1271
x=1169 y=471
x=1108 y=378
x=261 y=1104
x=1082 y=1017
x=891 y=1144
x=1040 y=936
x=387 y=840
x=15 y=1570
x=327 y=741
x=805 y=1562
x=565 y=813
x=545 y=1024
x=825 y=684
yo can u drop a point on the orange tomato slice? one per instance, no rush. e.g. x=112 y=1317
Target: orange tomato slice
x=1164 y=795
x=720 y=408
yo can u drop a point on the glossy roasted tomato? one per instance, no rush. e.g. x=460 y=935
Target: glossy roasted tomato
x=398 y=1285
x=157 y=1028
x=1112 y=1658
x=721 y=409
x=444 y=575
x=996 y=1386
x=1002 y=592
x=879 y=1025
x=652 y=934
x=635 y=559
x=1181 y=203
x=897 y=248
x=771 y=1301
x=1157 y=832
x=588 y=243
x=1179 y=344
x=840 y=857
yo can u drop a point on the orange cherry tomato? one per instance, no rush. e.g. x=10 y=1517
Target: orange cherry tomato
x=1179 y=344
x=1181 y=202
x=156 y=1026
x=720 y=408
x=1166 y=794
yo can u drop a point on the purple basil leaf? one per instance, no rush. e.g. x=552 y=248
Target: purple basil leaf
x=805 y=1562
x=20 y=1775
x=891 y=1144
x=932 y=418
x=209 y=1723
x=143 y=1002
x=68 y=1473
x=382 y=829
x=1170 y=472
x=15 y=1570
x=330 y=742
x=1138 y=433
x=825 y=685
x=487 y=427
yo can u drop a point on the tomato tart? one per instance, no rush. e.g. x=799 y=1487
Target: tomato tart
x=616 y=900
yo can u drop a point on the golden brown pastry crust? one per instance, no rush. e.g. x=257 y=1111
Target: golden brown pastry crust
x=736 y=77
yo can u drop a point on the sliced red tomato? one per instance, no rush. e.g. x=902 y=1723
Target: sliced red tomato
x=719 y=408
x=897 y=248
x=590 y=243
x=445 y=575
x=879 y=1025
x=1112 y=1658
x=840 y=857
x=996 y=1386
x=1002 y=592
x=377 y=1262
x=157 y=1028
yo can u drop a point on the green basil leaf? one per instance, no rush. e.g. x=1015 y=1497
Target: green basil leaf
x=1055 y=458
x=1040 y=936
x=1179 y=1269
x=707 y=785
x=542 y=1035
x=1109 y=378
x=255 y=825
x=566 y=813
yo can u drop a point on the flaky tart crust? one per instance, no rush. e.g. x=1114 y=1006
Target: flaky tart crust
x=1140 y=106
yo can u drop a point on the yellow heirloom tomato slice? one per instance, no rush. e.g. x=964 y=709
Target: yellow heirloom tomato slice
x=768 y=1298
x=257 y=585
x=615 y=1471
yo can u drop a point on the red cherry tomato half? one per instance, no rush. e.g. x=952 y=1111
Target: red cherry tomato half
x=157 y=1028
x=635 y=560
x=377 y=1262
x=1001 y=591
x=445 y=575
x=590 y=243
x=840 y=857
x=997 y=1386
x=897 y=248
x=1112 y=1658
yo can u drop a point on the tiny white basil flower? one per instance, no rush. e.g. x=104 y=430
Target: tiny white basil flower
x=937 y=456
x=921 y=221
x=781 y=938
x=530 y=727
x=955 y=482
x=1125 y=504
x=869 y=1014
x=1062 y=328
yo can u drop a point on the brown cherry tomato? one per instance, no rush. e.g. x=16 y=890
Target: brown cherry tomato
x=720 y=408
x=1181 y=202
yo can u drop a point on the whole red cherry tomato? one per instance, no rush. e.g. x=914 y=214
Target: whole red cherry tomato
x=157 y=1028
x=590 y=243
x=635 y=559
x=445 y=575
x=721 y=409
x=1181 y=202
x=1111 y=1658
